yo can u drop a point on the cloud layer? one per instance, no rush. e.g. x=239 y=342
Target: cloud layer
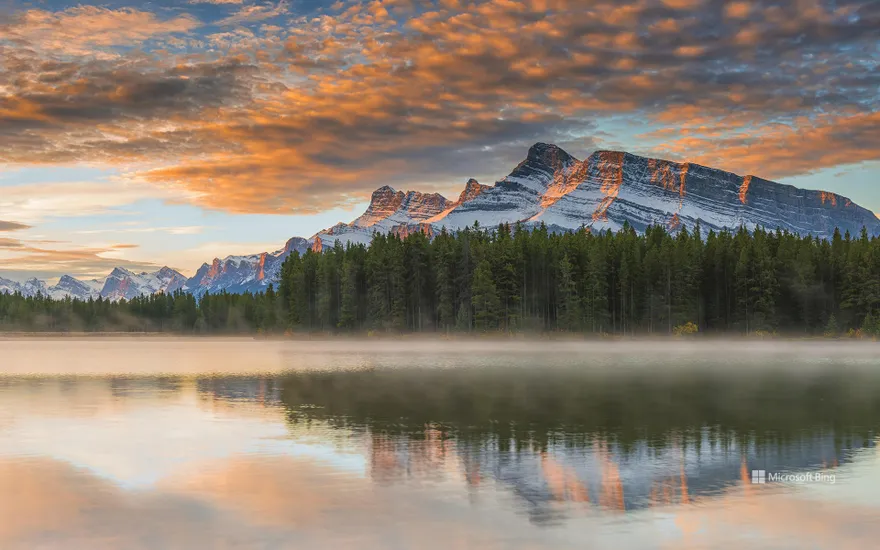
x=264 y=110
x=12 y=226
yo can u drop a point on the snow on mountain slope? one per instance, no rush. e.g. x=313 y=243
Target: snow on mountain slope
x=235 y=274
x=389 y=207
x=34 y=286
x=67 y=286
x=232 y=274
x=252 y=273
x=611 y=188
x=545 y=173
x=70 y=287
x=125 y=284
x=9 y=287
x=616 y=187
x=389 y=211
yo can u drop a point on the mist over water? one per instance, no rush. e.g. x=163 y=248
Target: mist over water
x=206 y=443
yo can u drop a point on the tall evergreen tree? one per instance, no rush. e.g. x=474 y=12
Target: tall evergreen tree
x=485 y=299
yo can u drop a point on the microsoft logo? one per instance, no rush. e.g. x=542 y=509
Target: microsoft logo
x=762 y=477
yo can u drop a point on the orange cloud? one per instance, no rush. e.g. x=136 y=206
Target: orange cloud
x=33 y=257
x=737 y=10
x=683 y=4
x=689 y=51
x=298 y=119
x=785 y=150
x=85 y=29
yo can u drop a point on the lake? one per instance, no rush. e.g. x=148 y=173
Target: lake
x=162 y=443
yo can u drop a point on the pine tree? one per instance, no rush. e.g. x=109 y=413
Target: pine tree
x=485 y=298
x=832 y=329
x=349 y=299
x=444 y=282
x=568 y=307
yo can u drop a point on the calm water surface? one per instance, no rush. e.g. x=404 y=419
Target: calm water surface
x=165 y=444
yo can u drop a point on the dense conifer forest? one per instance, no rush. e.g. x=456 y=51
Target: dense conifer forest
x=512 y=279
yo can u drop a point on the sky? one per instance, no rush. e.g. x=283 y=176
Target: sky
x=143 y=134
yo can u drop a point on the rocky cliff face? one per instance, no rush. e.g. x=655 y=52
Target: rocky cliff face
x=472 y=189
x=390 y=211
x=236 y=274
x=74 y=288
x=545 y=172
x=608 y=189
x=422 y=206
x=390 y=207
x=613 y=188
x=384 y=202
x=298 y=244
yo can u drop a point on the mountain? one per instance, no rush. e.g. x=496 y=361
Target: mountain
x=610 y=188
x=389 y=211
x=67 y=287
x=9 y=287
x=74 y=288
x=604 y=191
x=122 y=283
x=34 y=286
x=253 y=273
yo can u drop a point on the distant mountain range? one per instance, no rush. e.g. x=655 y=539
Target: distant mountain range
x=604 y=191
x=121 y=283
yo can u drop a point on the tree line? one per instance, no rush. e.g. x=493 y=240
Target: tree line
x=515 y=279
x=179 y=312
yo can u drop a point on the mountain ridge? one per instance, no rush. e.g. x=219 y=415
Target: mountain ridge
x=602 y=192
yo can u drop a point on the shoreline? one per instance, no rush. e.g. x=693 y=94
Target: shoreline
x=436 y=337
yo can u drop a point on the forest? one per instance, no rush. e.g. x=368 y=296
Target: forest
x=515 y=280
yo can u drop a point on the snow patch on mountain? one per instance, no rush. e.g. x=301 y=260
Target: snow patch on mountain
x=71 y=287
x=390 y=211
x=237 y=274
x=125 y=284
x=67 y=287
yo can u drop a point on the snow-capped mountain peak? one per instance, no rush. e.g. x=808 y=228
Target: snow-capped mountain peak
x=610 y=188
x=9 y=287
x=384 y=202
x=543 y=158
x=251 y=273
x=67 y=286
x=125 y=284
x=71 y=287
x=471 y=189
x=33 y=287
x=294 y=243
x=389 y=207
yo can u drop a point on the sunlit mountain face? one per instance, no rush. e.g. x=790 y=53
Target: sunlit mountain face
x=140 y=136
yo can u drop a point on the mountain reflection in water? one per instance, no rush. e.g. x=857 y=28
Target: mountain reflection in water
x=385 y=451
